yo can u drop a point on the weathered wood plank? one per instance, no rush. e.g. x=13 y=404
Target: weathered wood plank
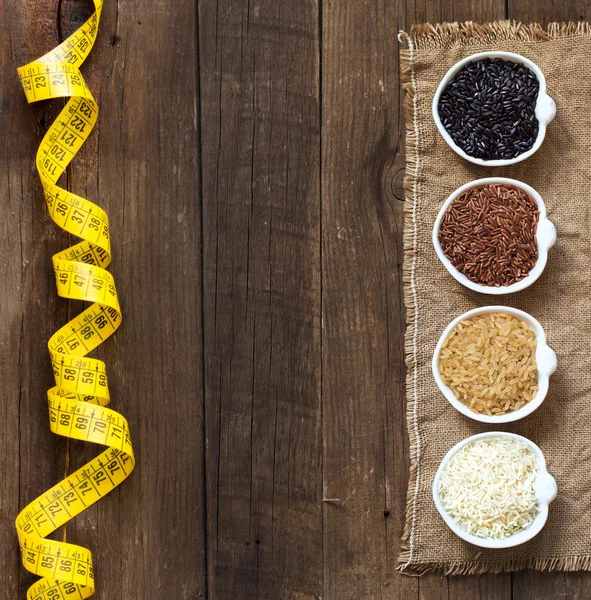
x=578 y=586
x=534 y=585
x=433 y=587
x=142 y=165
x=261 y=216
x=81 y=179
x=482 y=587
x=32 y=459
x=480 y=11
x=266 y=440
x=362 y=308
x=365 y=446
x=546 y=11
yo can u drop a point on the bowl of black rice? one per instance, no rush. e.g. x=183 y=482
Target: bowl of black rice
x=492 y=108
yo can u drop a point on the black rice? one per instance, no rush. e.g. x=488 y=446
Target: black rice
x=488 y=109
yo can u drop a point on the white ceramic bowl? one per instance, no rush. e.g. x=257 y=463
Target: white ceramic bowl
x=545 y=488
x=545 y=363
x=545 y=238
x=545 y=107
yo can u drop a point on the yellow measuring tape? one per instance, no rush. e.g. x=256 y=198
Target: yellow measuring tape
x=77 y=402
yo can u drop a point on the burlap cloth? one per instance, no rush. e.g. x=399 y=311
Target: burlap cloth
x=561 y=299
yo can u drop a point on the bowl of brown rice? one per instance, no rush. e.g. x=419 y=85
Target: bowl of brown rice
x=493 y=236
x=493 y=364
x=493 y=489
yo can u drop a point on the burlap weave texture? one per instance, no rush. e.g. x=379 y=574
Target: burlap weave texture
x=560 y=299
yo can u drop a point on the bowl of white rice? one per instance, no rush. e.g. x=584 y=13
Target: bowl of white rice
x=493 y=490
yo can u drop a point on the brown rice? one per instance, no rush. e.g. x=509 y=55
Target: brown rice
x=489 y=363
x=488 y=233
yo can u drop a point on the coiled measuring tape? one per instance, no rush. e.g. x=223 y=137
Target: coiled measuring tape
x=78 y=400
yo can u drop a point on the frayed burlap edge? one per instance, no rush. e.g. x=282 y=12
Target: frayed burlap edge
x=446 y=35
x=441 y=36
x=475 y=567
x=410 y=300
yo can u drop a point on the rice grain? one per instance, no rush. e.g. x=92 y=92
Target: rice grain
x=489 y=362
x=488 y=487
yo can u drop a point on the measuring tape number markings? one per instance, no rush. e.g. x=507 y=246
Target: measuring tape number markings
x=77 y=403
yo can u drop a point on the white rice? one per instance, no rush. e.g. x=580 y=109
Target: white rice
x=488 y=487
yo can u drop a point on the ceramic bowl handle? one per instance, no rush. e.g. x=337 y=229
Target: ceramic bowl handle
x=546 y=488
x=546 y=359
x=545 y=109
x=546 y=234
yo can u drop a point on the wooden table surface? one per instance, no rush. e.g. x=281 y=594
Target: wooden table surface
x=250 y=154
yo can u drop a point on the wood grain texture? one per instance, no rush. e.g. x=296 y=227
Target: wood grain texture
x=363 y=361
x=365 y=465
x=482 y=587
x=31 y=458
x=433 y=11
x=141 y=164
x=546 y=11
x=261 y=213
x=30 y=314
x=250 y=154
